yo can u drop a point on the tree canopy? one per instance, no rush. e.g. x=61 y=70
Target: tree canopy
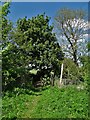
x=71 y=26
x=32 y=45
x=31 y=51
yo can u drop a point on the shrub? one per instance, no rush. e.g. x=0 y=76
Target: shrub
x=71 y=72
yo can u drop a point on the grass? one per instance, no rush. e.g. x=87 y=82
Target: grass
x=67 y=102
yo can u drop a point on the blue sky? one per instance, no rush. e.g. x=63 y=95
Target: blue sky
x=30 y=9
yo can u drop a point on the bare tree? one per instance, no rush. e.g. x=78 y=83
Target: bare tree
x=71 y=26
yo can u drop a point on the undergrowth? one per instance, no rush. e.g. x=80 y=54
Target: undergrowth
x=53 y=102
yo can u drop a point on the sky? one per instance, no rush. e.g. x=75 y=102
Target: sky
x=30 y=9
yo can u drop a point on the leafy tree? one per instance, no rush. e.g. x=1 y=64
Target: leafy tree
x=6 y=24
x=6 y=29
x=38 y=45
x=71 y=26
x=88 y=46
x=85 y=60
x=71 y=72
x=32 y=47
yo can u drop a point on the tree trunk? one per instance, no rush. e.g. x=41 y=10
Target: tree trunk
x=61 y=74
x=75 y=57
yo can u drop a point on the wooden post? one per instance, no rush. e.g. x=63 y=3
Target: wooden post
x=61 y=74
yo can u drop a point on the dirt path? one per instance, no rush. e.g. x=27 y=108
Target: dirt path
x=31 y=106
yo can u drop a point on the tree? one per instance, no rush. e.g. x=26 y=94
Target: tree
x=34 y=38
x=85 y=60
x=6 y=24
x=71 y=73
x=5 y=43
x=32 y=47
x=71 y=26
x=88 y=46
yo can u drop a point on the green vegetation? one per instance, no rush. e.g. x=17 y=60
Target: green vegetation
x=30 y=45
x=31 y=64
x=53 y=102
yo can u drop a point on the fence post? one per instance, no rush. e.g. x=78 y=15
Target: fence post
x=61 y=74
